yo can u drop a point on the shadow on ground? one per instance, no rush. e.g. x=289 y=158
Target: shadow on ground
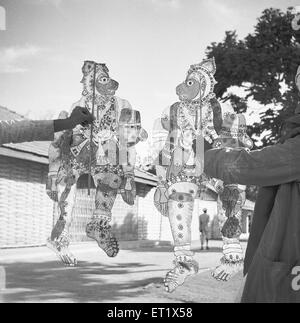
x=170 y=249
x=48 y=282
x=201 y=288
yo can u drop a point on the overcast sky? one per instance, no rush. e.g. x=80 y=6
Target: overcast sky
x=148 y=46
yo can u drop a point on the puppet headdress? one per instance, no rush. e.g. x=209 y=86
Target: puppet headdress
x=204 y=72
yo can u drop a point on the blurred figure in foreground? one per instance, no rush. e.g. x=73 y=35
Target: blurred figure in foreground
x=273 y=251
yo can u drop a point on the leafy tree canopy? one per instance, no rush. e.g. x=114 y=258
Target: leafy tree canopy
x=264 y=64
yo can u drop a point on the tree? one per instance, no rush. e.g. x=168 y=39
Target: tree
x=263 y=64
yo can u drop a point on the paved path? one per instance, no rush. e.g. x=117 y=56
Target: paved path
x=136 y=275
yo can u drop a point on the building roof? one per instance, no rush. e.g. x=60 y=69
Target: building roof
x=145 y=177
x=35 y=151
x=39 y=148
x=6 y=114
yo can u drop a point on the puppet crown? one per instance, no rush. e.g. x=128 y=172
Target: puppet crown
x=89 y=66
x=209 y=65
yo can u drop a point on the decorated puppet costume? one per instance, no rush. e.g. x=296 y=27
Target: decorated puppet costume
x=190 y=123
x=105 y=150
x=180 y=163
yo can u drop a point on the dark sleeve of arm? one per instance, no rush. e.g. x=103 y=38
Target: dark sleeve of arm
x=270 y=166
x=263 y=208
x=26 y=130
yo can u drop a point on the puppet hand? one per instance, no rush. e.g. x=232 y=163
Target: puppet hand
x=51 y=187
x=128 y=189
x=161 y=200
x=218 y=185
x=81 y=116
x=217 y=143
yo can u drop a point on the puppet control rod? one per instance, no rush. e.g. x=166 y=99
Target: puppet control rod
x=92 y=129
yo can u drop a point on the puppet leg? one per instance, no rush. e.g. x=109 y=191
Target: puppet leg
x=180 y=209
x=233 y=198
x=99 y=229
x=60 y=238
x=161 y=193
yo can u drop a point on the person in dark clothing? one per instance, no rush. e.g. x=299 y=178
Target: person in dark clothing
x=203 y=228
x=274 y=245
x=41 y=130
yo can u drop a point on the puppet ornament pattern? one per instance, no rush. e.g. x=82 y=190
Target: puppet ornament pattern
x=105 y=151
x=231 y=199
x=180 y=163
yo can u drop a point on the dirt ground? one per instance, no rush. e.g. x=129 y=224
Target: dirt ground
x=136 y=275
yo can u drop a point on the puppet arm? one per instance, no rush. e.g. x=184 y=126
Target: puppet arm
x=161 y=192
x=165 y=160
x=128 y=153
x=169 y=118
x=55 y=161
x=217 y=114
x=209 y=132
x=129 y=187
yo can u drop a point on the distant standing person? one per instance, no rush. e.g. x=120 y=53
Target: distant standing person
x=203 y=228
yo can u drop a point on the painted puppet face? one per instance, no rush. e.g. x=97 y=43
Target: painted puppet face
x=188 y=90
x=104 y=84
x=200 y=80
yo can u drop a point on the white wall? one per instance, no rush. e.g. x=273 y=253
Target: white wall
x=154 y=226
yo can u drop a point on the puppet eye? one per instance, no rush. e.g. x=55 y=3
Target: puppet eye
x=104 y=80
x=190 y=82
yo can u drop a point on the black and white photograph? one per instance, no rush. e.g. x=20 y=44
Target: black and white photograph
x=149 y=154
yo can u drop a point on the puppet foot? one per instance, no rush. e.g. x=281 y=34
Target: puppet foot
x=232 y=261
x=227 y=270
x=61 y=248
x=177 y=276
x=100 y=231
